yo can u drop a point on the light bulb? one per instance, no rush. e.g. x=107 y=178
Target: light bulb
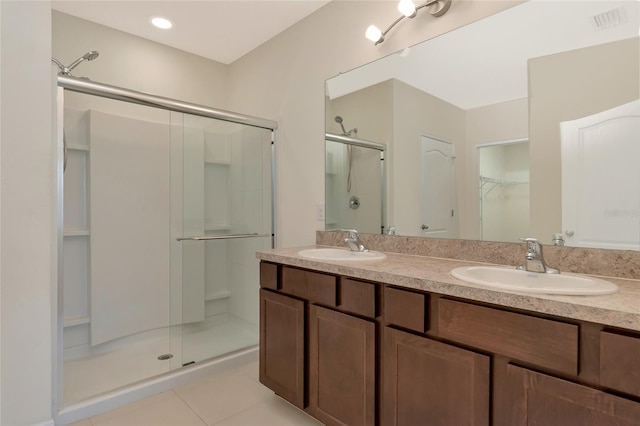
x=374 y=34
x=161 y=22
x=407 y=8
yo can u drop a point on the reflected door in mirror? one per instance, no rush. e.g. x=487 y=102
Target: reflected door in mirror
x=601 y=179
x=438 y=188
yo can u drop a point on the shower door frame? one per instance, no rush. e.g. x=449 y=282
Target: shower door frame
x=130 y=96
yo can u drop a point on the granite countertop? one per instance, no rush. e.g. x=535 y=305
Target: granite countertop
x=621 y=309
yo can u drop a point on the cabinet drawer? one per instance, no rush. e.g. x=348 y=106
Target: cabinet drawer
x=620 y=362
x=547 y=343
x=312 y=286
x=269 y=275
x=405 y=309
x=358 y=297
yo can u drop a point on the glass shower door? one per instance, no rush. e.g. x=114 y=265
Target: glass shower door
x=116 y=249
x=225 y=217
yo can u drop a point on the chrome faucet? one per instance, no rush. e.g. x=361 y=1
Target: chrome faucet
x=353 y=242
x=534 y=260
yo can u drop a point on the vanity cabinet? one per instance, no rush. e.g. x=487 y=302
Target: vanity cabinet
x=540 y=399
x=342 y=368
x=318 y=343
x=429 y=382
x=352 y=352
x=282 y=335
x=620 y=362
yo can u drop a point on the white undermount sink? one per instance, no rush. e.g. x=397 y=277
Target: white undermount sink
x=340 y=254
x=533 y=282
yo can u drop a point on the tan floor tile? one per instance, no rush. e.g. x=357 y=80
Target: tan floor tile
x=85 y=422
x=271 y=412
x=140 y=404
x=223 y=396
x=250 y=370
x=169 y=411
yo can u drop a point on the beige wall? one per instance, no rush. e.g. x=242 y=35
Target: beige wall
x=396 y=113
x=282 y=80
x=138 y=64
x=501 y=122
x=565 y=87
x=370 y=111
x=417 y=113
x=27 y=217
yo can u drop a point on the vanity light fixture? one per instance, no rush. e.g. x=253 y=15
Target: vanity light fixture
x=160 y=22
x=408 y=9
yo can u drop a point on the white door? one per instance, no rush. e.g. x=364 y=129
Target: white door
x=601 y=179
x=437 y=188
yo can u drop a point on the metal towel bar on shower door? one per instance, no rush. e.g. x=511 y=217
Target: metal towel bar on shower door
x=222 y=237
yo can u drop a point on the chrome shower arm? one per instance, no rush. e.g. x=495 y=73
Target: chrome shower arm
x=75 y=63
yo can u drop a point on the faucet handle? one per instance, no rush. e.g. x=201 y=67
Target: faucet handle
x=532 y=244
x=529 y=240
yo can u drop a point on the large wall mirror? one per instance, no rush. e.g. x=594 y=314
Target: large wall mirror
x=522 y=124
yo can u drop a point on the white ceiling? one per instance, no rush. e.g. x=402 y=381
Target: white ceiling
x=221 y=30
x=493 y=52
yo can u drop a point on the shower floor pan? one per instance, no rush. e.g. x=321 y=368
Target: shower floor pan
x=89 y=374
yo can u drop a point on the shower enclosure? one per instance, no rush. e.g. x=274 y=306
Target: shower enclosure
x=165 y=204
x=354 y=183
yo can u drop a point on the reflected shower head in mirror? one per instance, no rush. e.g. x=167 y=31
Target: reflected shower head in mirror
x=89 y=56
x=339 y=121
x=344 y=131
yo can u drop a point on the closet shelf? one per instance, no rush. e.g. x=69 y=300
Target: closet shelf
x=75 y=147
x=76 y=233
x=217 y=228
x=484 y=181
x=73 y=321
x=217 y=295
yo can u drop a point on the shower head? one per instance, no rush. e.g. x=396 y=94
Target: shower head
x=344 y=131
x=89 y=56
x=339 y=121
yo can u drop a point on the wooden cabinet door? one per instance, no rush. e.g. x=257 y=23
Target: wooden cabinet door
x=544 y=400
x=282 y=346
x=427 y=382
x=341 y=368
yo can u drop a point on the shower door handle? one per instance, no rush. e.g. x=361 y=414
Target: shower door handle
x=222 y=237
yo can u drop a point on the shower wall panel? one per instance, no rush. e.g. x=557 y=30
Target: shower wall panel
x=129 y=222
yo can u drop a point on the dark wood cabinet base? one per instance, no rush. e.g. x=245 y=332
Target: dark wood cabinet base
x=355 y=353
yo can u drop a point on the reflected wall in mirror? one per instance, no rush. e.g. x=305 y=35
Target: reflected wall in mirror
x=516 y=75
x=354 y=184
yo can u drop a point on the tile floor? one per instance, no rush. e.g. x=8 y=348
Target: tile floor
x=230 y=398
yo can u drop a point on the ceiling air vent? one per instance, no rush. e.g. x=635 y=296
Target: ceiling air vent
x=609 y=19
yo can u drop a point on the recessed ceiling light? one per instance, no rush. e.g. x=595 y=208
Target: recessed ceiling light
x=161 y=22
